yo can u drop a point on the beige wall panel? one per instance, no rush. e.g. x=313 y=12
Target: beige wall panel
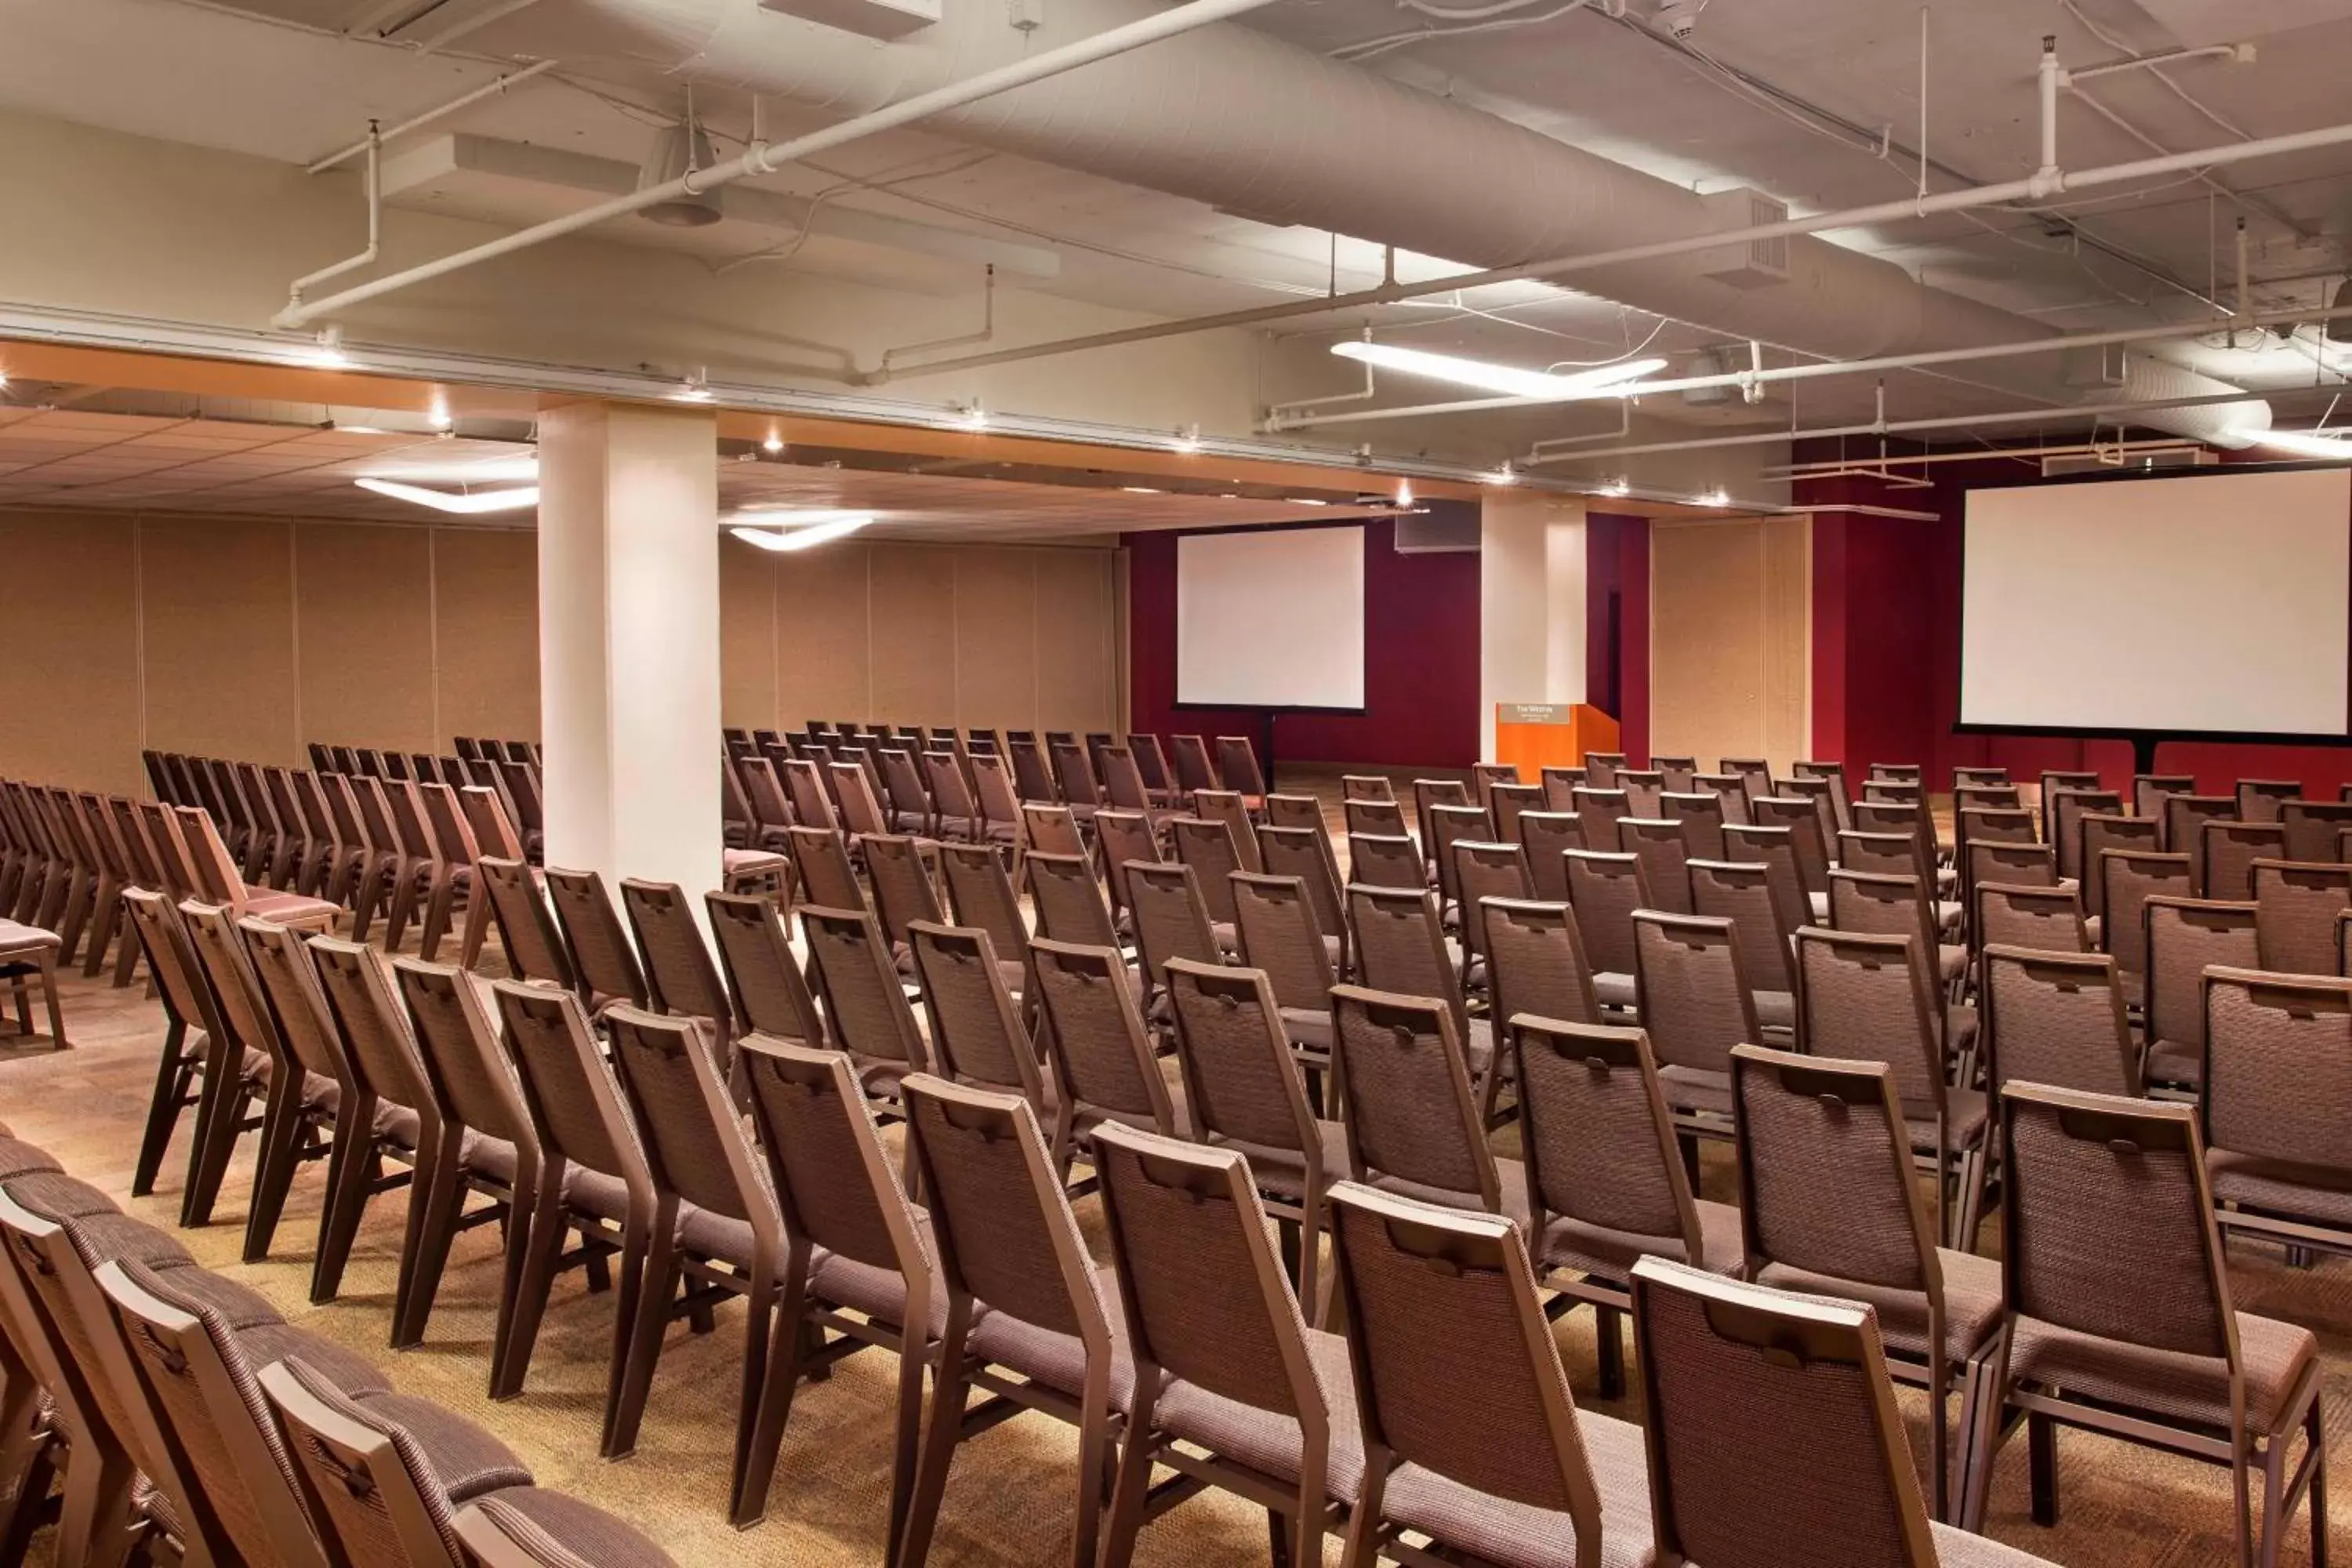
x=217 y=596
x=821 y=633
x=1787 y=638
x=747 y=635
x=1077 y=641
x=996 y=638
x=364 y=615
x=1706 y=639
x=71 y=716
x=914 y=636
x=486 y=596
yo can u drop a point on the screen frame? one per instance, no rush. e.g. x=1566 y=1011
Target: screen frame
x=2128 y=733
x=1362 y=524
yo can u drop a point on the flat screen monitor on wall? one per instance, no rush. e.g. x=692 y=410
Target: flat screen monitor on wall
x=1271 y=619
x=2217 y=604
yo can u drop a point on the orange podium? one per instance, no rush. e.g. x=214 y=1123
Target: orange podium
x=1533 y=736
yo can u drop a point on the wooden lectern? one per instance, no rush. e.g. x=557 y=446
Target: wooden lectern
x=1533 y=736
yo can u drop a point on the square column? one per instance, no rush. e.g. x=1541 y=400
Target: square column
x=1531 y=610
x=628 y=642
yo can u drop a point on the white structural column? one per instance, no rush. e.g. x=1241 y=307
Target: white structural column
x=1531 y=604
x=628 y=642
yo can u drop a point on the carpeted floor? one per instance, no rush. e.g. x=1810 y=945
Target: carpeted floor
x=1008 y=1500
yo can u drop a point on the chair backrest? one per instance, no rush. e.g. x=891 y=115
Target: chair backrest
x=980 y=893
x=1870 y=997
x=976 y=1033
x=1665 y=858
x=1069 y=900
x=1442 y=1309
x=1509 y=801
x=1996 y=825
x=1642 y=786
x=951 y=796
x=2040 y=920
x=1096 y=1037
x=1702 y=820
x=1985 y=797
x=2150 y=792
x=1190 y=754
x=903 y=892
x=576 y=1105
x=2053 y=780
x=852 y=794
x=1385 y=860
x=1205 y=1298
x=2129 y=877
x=1732 y=792
x=1675 y=773
x=1121 y=836
x=1597 y=812
x=1366 y=787
x=2223 y=862
x=1453 y=825
x=902 y=781
x=535 y=947
x=765 y=986
x=1804 y=826
x=852 y=975
x=1482 y=871
x=370 y=1024
x=1279 y=932
x=833 y=1179
x=602 y=958
x=2296 y=905
x=1306 y=853
x=180 y=984
x=2185 y=816
x=1382 y=817
x=1535 y=963
x=289 y=987
x=2186 y=937
x=1401 y=948
x=1888 y=902
x=1695 y=1001
x=2014 y=865
x=2314 y=828
x=1766 y=1406
x=2264 y=800
x=1546 y=835
x=992 y=783
x=1600 y=768
x=1412 y=1113
x=1050 y=827
x=1228 y=806
x=485 y=818
x=680 y=977
x=2103 y=831
x=1755 y=774
x=1825 y=1178
x=812 y=801
x=2278 y=1070
x=1206 y=849
x=2058 y=1018
x=2107 y=1221
x=821 y=857
x=1173 y=918
x=1559 y=785
x=1596 y=1138
x=1003 y=1226
x=2066 y=806
x=1763 y=912
x=1074 y=774
x=1605 y=889
x=1242 y=1083
x=195 y=1368
x=457 y=1042
x=238 y=998
x=1237 y=766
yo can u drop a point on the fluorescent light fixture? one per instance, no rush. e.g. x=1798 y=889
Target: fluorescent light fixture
x=445 y=471
x=1716 y=497
x=1306 y=501
x=803 y=530
x=2335 y=446
x=1187 y=440
x=1617 y=487
x=1141 y=490
x=1506 y=475
x=1509 y=380
x=463 y=503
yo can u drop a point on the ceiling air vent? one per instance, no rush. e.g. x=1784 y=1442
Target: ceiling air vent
x=1758 y=263
x=2129 y=462
x=2094 y=367
x=883 y=19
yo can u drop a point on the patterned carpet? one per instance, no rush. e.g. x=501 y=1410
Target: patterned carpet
x=1008 y=1500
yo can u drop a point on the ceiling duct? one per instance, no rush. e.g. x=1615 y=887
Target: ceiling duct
x=679 y=150
x=1242 y=121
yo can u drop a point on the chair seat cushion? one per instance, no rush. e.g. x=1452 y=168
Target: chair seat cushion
x=466 y=1459
x=2185 y=1387
x=2274 y=1187
x=266 y=1343
x=1054 y=1359
x=18 y=938
x=18 y=1157
x=1575 y=1243
x=1283 y=1172
x=1309 y=1026
x=582 y=1530
x=753 y=862
x=1971 y=1302
x=1267 y=1441
x=2170 y=1061
x=1695 y=1090
x=291 y=908
x=1775 y=1009
x=1615 y=990
x=1964 y=1122
x=1515 y=1535
x=1511 y=1178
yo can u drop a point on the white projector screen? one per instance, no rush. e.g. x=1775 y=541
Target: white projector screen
x=2220 y=604
x=1271 y=620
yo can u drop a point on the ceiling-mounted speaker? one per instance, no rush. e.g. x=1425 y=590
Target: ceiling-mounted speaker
x=679 y=150
x=1440 y=528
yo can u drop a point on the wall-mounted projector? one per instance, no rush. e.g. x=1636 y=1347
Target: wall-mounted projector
x=883 y=19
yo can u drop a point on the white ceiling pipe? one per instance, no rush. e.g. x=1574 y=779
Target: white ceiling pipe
x=1265 y=128
x=760 y=159
x=1278 y=421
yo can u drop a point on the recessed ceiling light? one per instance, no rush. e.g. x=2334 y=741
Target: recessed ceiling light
x=438 y=416
x=773 y=445
x=1511 y=381
x=1404 y=492
x=465 y=503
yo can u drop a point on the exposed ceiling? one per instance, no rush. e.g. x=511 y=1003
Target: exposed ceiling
x=1821 y=103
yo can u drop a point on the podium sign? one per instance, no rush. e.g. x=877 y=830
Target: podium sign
x=1533 y=736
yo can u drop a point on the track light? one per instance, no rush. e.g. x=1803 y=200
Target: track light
x=463 y=503
x=1509 y=380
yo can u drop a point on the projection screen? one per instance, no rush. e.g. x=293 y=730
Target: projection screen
x=1272 y=619
x=2212 y=603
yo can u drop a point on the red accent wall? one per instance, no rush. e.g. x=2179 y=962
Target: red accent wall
x=1617 y=560
x=1420 y=661
x=1886 y=651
